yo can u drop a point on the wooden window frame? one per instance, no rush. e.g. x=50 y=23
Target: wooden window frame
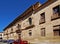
x=41 y=18
x=54 y=30
x=58 y=6
x=44 y=33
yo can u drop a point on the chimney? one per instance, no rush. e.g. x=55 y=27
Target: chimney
x=35 y=6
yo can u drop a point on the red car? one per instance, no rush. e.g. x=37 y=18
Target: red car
x=20 y=42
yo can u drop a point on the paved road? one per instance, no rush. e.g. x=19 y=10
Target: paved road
x=2 y=43
x=47 y=43
x=39 y=43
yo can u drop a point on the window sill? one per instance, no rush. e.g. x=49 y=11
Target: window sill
x=41 y=23
x=54 y=18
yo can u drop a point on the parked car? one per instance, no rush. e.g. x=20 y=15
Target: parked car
x=20 y=42
x=4 y=41
x=0 y=40
x=10 y=41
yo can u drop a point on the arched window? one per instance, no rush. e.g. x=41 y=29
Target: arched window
x=30 y=21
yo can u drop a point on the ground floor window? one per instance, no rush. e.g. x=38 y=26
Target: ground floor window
x=30 y=32
x=42 y=31
x=56 y=30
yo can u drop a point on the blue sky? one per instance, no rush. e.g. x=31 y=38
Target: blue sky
x=10 y=9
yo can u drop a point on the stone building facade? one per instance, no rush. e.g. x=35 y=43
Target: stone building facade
x=39 y=23
x=1 y=36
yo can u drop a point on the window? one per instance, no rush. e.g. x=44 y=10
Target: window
x=43 y=32
x=0 y=38
x=30 y=32
x=7 y=31
x=11 y=29
x=30 y=21
x=42 y=20
x=56 y=12
x=4 y=34
x=56 y=30
x=0 y=34
x=19 y=26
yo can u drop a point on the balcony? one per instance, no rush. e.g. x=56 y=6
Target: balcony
x=42 y=21
x=55 y=16
x=30 y=26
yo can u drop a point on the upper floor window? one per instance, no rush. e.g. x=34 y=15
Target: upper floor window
x=0 y=38
x=30 y=21
x=7 y=31
x=19 y=26
x=56 y=12
x=56 y=30
x=56 y=9
x=30 y=32
x=0 y=34
x=42 y=18
x=43 y=32
x=11 y=29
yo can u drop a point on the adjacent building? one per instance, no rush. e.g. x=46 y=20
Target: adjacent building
x=39 y=23
x=1 y=36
